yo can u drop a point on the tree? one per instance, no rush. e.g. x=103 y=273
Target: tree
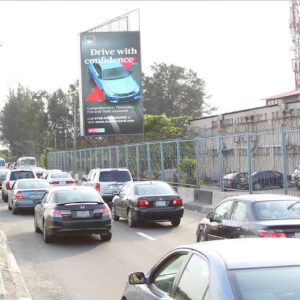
x=175 y=91
x=160 y=127
x=24 y=122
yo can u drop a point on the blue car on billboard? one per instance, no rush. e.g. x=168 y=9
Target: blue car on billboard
x=115 y=81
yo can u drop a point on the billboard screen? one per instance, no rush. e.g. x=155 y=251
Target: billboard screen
x=111 y=101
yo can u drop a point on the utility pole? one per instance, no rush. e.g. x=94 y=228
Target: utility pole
x=75 y=121
x=295 y=31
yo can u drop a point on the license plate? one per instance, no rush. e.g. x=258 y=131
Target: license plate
x=36 y=196
x=160 y=203
x=83 y=214
x=297 y=235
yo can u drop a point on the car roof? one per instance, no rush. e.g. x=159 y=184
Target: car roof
x=110 y=169
x=21 y=170
x=32 y=179
x=149 y=182
x=264 y=197
x=26 y=157
x=73 y=188
x=250 y=252
x=105 y=66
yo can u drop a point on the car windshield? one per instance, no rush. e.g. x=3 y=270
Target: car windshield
x=37 y=184
x=118 y=176
x=272 y=283
x=153 y=189
x=60 y=175
x=68 y=196
x=115 y=73
x=2 y=163
x=21 y=175
x=28 y=162
x=277 y=210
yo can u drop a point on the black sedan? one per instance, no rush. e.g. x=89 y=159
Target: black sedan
x=147 y=201
x=252 y=216
x=71 y=211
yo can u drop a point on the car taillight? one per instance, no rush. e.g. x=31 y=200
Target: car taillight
x=177 y=201
x=69 y=181
x=19 y=195
x=228 y=179
x=104 y=211
x=60 y=213
x=54 y=182
x=142 y=202
x=271 y=234
x=97 y=186
x=245 y=179
x=7 y=185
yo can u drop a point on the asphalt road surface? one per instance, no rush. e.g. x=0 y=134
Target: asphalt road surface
x=84 y=267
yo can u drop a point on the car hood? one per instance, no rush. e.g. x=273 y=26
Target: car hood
x=120 y=86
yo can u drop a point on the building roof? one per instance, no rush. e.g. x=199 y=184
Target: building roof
x=284 y=95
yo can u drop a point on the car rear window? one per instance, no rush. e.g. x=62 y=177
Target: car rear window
x=60 y=175
x=277 y=210
x=21 y=175
x=33 y=184
x=68 y=196
x=278 y=283
x=118 y=176
x=153 y=189
x=28 y=162
x=2 y=163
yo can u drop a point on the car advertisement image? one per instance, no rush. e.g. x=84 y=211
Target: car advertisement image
x=111 y=101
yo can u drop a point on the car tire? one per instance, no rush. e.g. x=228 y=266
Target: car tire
x=298 y=187
x=176 y=222
x=113 y=214
x=8 y=206
x=238 y=186
x=201 y=237
x=106 y=237
x=131 y=219
x=256 y=186
x=47 y=237
x=36 y=227
x=14 y=210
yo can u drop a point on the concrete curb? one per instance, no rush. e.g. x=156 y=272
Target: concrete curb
x=12 y=285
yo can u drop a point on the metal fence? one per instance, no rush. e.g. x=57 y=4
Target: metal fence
x=200 y=162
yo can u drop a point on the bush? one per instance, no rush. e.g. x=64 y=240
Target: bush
x=188 y=169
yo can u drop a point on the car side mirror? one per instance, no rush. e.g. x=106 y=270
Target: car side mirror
x=83 y=179
x=210 y=215
x=137 y=278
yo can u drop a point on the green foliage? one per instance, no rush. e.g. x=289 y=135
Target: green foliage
x=43 y=158
x=161 y=127
x=175 y=91
x=188 y=169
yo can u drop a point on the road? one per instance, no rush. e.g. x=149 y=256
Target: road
x=84 y=267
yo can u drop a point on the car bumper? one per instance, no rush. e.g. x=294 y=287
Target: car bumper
x=25 y=204
x=152 y=214
x=121 y=98
x=79 y=227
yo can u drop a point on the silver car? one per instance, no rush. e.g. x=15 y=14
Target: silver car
x=60 y=179
x=107 y=181
x=238 y=269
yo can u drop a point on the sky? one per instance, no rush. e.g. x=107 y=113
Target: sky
x=241 y=49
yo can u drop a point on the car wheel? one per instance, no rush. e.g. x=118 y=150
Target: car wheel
x=238 y=186
x=176 y=222
x=131 y=219
x=256 y=186
x=113 y=214
x=106 y=237
x=298 y=187
x=36 y=226
x=47 y=237
x=8 y=206
x=201 y=236
x=14 y=210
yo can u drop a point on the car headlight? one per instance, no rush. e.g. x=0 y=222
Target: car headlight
x=137 y=89
x=111 y=93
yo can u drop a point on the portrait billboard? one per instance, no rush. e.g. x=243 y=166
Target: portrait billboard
x=111 y=102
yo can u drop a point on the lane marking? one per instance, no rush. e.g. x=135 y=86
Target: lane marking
x=146 y=236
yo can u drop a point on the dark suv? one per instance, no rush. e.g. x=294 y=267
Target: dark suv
x=11 y=177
